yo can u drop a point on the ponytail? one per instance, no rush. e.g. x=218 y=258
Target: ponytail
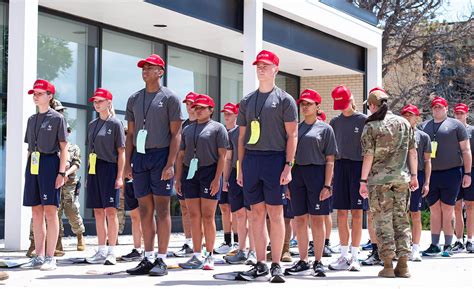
x=353 y=105
x=111 y=109
x=380 y=113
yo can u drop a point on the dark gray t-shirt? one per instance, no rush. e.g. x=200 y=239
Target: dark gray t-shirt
x=104 y=137
x=48 y=129
x=448 y=134
x=207 y=138
x=315 y=142
x=470 y=135
x=348 y=131
x=163 y=107
x=234 y=144
x=423 y=143
x=275 y=108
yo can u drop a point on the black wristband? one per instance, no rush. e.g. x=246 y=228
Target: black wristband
x=363 y=181
x=467 y=174
x=63 y=174
x=328 y=187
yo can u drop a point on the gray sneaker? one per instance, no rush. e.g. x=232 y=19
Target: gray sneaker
x=342 y=263
x=192 y=263
x=251 y=258
x=98 y=258
x=110 y=259
x=238 y=258
x=34 y=263
x=49 y=264
x=354 y=265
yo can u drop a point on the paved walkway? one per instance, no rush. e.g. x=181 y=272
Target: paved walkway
x=438 y=272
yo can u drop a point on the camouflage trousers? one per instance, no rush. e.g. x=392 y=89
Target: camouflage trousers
x=121 y=214
x=69 y=205
x=389 y=206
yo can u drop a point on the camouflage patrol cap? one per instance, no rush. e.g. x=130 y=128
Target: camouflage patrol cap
x=57 y=105
x=376 y=97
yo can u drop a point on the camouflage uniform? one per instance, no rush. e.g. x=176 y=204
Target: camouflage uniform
x=389 y=141
x=121 y=211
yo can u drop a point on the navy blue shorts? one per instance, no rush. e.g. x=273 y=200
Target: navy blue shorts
x=101 y=191
x=131 y=203
x=224 y=198
x=200 y=185
x=288 y=210
x=466 y=193
x=40 y=189
x=346 y=186
x=236 y=193
x=416 y=200
x=261 y=176
x=305 y=188
x=444 y=186
x=147 y=169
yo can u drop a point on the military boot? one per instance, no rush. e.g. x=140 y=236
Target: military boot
x=31 y=250
x=387 y=271
x=81 y=244
x=402 y=268
x=59 y=251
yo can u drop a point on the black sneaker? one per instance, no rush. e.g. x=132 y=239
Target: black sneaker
x=372 y=259
x=277 y=274
x=469 y=247
x=327 y=251
x=159 y=268
x=318 y=269
x=458 y=247
x=185 y=251
x=433 y=250
x=143 y=268
x=311 y=249
x=258 y=271
x=447 y=251
x=132 y=256
x=299 y=268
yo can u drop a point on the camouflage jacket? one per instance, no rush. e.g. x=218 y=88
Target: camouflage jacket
x=74 y=159
x=389 y=141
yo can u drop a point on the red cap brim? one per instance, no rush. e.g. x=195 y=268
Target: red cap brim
x=227 y=110
x=300 y=100
x=142 y=62
x=199 y=104
x=94 y=97
x=262 y=60
x=31 y=91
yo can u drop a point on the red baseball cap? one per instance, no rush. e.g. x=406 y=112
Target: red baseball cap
x=42 y=85
x=461 y=107
x=410 y=108
x=322 y=115
x=231 y=108
x=190 y=97
x=377 y=88
x=101 y=93
x=438 y=100
x=203 y=100
x=341 y=96
x=153 y=59
x=267 y=57
x=309 y=95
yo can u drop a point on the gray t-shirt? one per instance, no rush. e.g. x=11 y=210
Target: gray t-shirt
x=470 y=135
x=274 y=109
x=348 y=131
x=234 y=144
x=448 y=134
x=315 y=142
x=207 y=138
x=163 y=107
x=423 y=143
x=48 y=129
x=104 y=137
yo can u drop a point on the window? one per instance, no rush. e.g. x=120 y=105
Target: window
x=231 y=82
x=288 y=83
x=3 y=102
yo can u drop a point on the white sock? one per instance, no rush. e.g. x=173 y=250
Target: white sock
x=150 y=255
x=355 y=252
x=139 y=249
x=469 y=240
x=416 y=248
x=344 y=251
x=198 y=255
x=102 y=249
x=111 y=250
x=162 y=256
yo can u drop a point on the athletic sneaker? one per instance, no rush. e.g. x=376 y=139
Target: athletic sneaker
x=49 y=264
x=98 y=258
x=458 y=247
x=354 y=265
x=447 y=251
x=469 y=247
x=143 y=268
x=372 y=259
x=223 y=249
x=293 y=243
x=432 y=250
x=415 y=256
x=159 y=268
x=185 y=251
x=367 y=246
x=110 y=259
x=311 y=249
x=34 y=263
x=318 y=269
x=342 y=263
x=192 y=263
x=327 y=251
x=132 y=256
x=276 y=274
x=208 y=263
x=299 y=268
x=251 y=258
x=238 y=258
x=259 y=271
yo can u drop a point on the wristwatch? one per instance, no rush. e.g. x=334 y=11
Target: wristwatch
x=363 y=181
x=63 y=174
x=290 y=164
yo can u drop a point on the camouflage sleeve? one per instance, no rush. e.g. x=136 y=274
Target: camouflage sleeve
x=367 y=141
x=75 y=156
x=411 y=139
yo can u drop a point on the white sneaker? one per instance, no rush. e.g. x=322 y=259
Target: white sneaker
x=49 y=264
x=34 y=263
x=354 y=265
x=251 y=258
x=98 y=258
x=208 y=263
x=415 y=256
x=110 y=259
x=342 y=263
x=223 y=249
